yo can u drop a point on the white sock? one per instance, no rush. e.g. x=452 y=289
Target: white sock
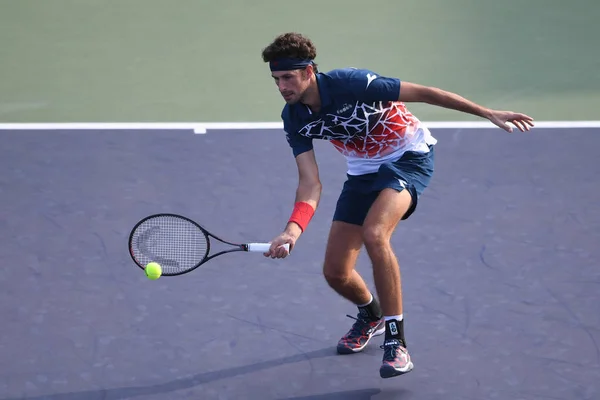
x=369 y=302
x=396 y=317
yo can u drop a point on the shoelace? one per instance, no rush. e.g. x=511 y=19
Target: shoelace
x=360 y=327
x=390 y=349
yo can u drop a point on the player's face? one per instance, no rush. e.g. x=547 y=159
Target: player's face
x=292 y=84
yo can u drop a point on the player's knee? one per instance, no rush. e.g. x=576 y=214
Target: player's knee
x=375 y=237
x=335 y=275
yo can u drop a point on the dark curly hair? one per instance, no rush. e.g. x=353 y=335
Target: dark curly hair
x=290 y=45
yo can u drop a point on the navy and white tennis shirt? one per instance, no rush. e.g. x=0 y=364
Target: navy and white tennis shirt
x=361 y=116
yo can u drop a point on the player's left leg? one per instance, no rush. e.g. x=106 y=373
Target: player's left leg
x=384 y=215
x=400 y=184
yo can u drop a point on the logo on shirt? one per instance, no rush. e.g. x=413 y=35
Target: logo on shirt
x=370 y=78
x=344 y=108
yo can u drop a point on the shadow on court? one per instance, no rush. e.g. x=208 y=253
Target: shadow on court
x=499 y=263
x=364 y=394
x=200 y=379
x=193 y=381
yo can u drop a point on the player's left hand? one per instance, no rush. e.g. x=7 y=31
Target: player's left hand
x=502 y=118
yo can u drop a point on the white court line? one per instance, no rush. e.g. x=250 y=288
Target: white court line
x=203 y=127
x=43 y=126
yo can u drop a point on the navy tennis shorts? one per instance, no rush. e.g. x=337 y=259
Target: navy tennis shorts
x=412 y=172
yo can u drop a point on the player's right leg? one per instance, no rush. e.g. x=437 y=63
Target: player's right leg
x=343 y=248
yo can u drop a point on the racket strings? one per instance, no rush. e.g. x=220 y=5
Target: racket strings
x=175 y=243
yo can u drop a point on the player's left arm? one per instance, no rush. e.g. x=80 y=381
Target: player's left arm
x=412 y=92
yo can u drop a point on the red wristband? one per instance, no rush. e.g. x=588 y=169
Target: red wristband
x=302 y=214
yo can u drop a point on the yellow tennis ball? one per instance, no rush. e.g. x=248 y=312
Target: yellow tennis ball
x=153 y=270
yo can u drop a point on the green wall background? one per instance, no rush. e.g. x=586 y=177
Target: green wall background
x=199 y=61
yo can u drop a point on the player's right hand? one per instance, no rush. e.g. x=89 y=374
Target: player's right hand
x=277 y=250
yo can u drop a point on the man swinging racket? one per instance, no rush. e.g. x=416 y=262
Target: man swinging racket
x=390 y=162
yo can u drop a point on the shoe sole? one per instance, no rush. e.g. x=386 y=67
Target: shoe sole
x=347 y=350
x=387 y=371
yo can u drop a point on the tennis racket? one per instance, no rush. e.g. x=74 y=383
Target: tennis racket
x=178 y=244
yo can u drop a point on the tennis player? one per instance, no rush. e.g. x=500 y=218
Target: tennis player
x=390 y=162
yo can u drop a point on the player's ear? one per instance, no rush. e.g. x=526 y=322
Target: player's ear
x=308 y=72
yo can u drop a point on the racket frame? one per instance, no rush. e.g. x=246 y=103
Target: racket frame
x=236 y=247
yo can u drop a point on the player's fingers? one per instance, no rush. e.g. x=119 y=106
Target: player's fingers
x=525 y=117
x=519 y=125
x=272 y=249
x=524 y=126
x=276 y=254
x=279 y=251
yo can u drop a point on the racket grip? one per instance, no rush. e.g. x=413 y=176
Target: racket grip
x=263 y=247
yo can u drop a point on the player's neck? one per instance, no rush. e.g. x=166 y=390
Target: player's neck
x=311 y=97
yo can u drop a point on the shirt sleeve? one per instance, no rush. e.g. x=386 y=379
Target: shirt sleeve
x=299 y=144
x=369 y=86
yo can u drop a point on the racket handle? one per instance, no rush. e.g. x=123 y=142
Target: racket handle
x=263 y=247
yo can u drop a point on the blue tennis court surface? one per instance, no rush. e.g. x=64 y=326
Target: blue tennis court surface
x=500 y=271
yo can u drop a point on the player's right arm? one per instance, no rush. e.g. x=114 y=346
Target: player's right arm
x=309 y=187
x=306 y=201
